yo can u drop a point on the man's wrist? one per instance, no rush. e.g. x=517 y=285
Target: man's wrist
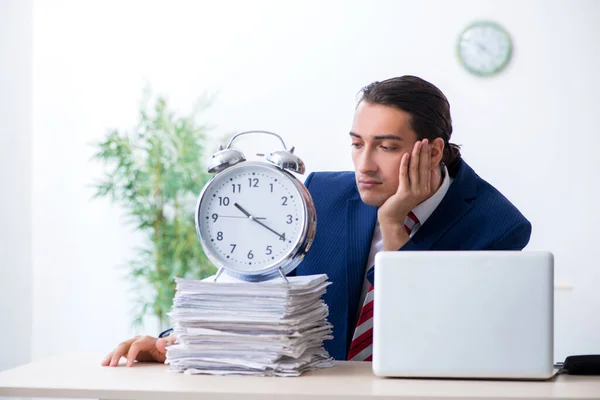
x=394 y=236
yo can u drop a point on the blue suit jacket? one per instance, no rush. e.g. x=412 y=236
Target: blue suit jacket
x=473 y=215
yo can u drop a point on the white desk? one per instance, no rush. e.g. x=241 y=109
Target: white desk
x=83 y=377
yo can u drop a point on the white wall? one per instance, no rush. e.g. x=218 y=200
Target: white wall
x=295 y=67
x=16 y=300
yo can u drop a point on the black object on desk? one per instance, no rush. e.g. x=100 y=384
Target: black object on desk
x=582 y=365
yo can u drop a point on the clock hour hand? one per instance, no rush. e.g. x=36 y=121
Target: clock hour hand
x=246 y=213
x=257 y=221
x=479 y=46
x=483 y=48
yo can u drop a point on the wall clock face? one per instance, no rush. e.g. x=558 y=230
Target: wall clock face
x=484 y=48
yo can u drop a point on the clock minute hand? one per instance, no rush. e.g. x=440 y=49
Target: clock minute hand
x=256 y=220
x=238 y=216
x=278 y=234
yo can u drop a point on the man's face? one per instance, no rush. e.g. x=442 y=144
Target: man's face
x=380 y=136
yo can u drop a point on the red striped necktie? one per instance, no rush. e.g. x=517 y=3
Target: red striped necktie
x=361 y=348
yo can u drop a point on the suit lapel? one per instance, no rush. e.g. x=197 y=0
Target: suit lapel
x=361 y=220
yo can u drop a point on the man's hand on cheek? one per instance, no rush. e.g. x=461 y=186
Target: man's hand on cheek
x=415 y=185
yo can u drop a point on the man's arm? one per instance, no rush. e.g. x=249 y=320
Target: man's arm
x=516 y=238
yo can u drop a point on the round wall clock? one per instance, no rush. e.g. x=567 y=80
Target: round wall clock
x=484 y=48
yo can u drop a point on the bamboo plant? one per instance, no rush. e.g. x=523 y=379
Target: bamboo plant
x=155 y=173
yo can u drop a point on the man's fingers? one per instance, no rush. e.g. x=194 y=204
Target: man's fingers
x=134 y=350
x=107 y=359
x=160 y=351
x=161 y=344
x=119 y=352
x=413 y=169
x=403 y=182
x=425 y=165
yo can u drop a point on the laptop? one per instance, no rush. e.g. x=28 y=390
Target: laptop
x=464 y=314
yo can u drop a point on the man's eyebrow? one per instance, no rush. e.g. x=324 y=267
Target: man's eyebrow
x=379 y=137
x=388 y=137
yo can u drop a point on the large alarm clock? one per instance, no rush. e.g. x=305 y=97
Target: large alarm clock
x=255 y=220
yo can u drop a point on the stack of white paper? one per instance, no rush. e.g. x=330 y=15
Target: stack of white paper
x=264 y=328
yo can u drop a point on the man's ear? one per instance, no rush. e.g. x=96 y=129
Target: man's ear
x=437 y=152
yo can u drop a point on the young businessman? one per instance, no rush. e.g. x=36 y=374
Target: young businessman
x=410 y=190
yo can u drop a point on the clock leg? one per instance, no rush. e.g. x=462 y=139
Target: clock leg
x=283 y=275
x=219 y=272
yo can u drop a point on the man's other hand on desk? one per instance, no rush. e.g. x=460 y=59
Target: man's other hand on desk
x=139 y=348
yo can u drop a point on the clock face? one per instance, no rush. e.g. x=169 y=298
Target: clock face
x=251 y=217
x=484 y=48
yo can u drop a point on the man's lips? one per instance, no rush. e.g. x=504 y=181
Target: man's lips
x=369 y=180
x=368 y=183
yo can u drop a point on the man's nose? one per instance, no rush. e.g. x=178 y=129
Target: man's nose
x=366 y=162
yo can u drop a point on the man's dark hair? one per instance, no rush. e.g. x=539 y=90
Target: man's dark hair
x=428 y=107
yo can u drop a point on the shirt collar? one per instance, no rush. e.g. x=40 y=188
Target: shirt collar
x=426 y=208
